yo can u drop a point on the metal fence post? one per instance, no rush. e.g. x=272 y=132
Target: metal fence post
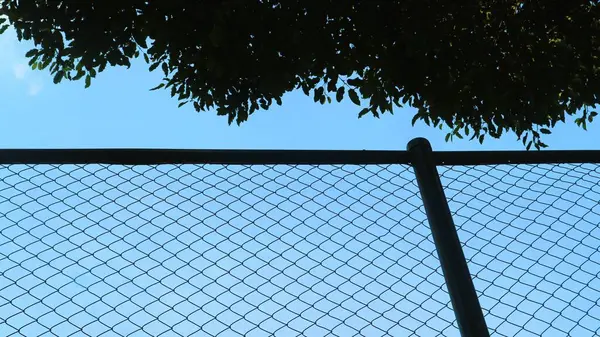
x=465 y=303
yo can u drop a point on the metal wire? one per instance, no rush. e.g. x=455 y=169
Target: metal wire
x=531 y=236
x=292 y=250
x=217 y=250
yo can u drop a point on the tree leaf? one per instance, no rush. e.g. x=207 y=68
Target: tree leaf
x=415 y=119
x=355 y=82
x=363 y=112
x=158 y=87
x=58 y=77
x=339 y=96
x=353 y=96
x=154 y=66
x=331 y=86
x=31 y=53
x=79 y=75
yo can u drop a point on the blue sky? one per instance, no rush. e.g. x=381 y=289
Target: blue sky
x=93 y=237
x=118 y=111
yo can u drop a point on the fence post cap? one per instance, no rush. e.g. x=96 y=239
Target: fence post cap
x=418 y=142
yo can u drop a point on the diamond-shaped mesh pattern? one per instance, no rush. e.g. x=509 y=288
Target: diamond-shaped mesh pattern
x=531 y=236
x=284 y=250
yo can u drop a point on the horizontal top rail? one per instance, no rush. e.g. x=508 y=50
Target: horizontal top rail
x=467 y=158
x=234 y=157
x=290 y=157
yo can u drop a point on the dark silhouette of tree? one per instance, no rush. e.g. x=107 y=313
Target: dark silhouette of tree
x=480 y=67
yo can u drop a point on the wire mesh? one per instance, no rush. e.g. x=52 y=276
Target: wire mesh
x=219 y=250
x=531 y=236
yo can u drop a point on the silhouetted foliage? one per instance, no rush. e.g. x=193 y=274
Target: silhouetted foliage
x=479 y=67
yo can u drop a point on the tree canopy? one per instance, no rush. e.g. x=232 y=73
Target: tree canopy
x=480 y=68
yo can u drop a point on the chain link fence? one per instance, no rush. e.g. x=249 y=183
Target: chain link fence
x=531 y=236
x=194 y=250
x=292 y=250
